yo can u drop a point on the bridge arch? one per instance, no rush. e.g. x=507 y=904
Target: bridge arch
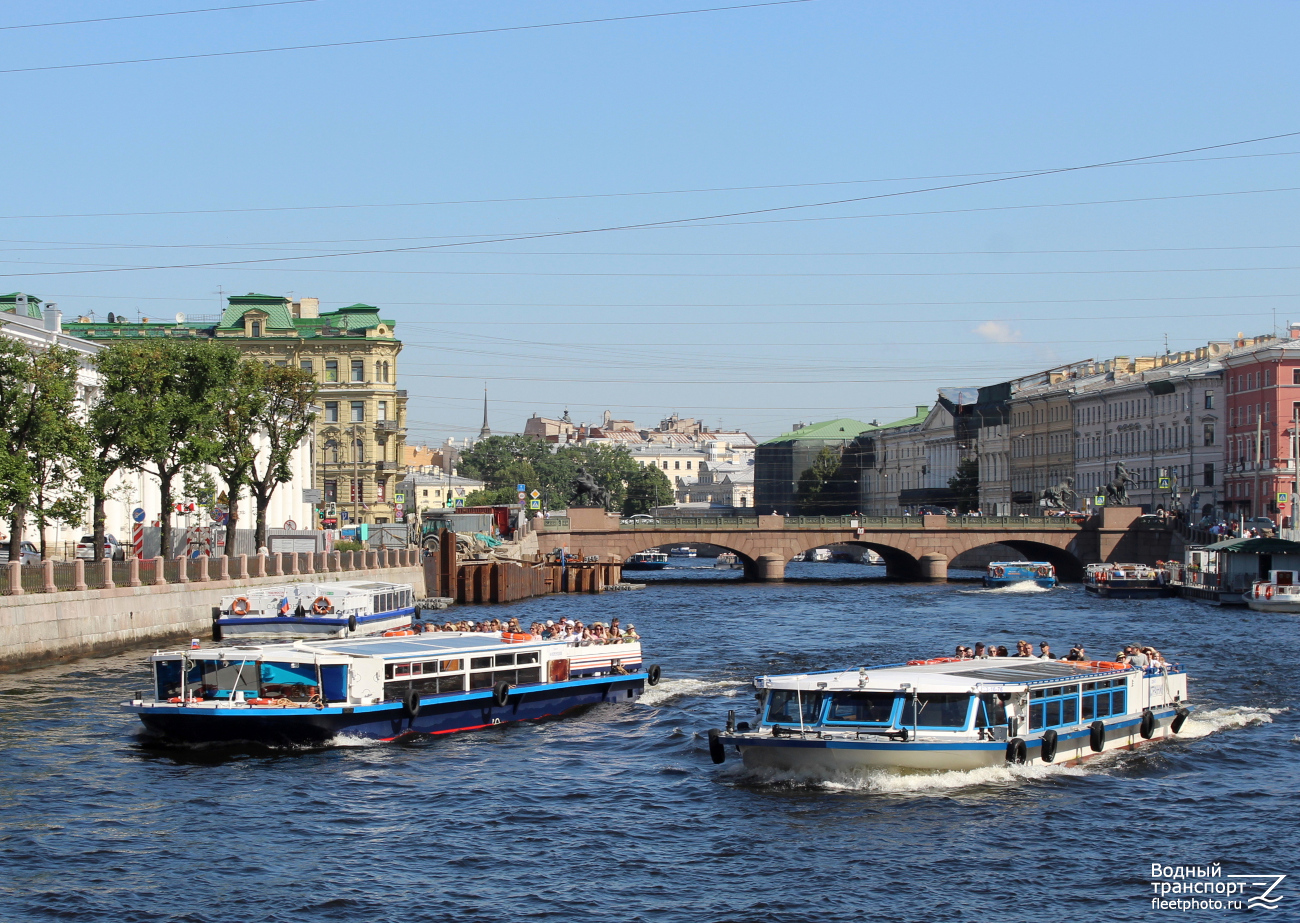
x=645 y=542
x=898 y=562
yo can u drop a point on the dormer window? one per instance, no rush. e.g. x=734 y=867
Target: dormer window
x=255 y=328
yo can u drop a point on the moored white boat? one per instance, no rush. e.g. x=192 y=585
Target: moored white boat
x=682 y=551
x=1126 y=581
x=316 y=610
x=949 y=714
x=1279 y=593
x=309 y=692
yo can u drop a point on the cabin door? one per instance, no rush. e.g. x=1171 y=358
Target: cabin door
x=559 y=671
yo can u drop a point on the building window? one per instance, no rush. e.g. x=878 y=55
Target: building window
x=331 y=411
x=358 y=370
x=1295 y=375
x=688 y=466
x=1209 y=434
x=357 y=488
x=358 y=411
x=331 y=370
x=282 y=363
x=1209 y=399
x=677 y=466
x=426 y=492
x=257 y=328
x=331 y=491
x=381 y=489
x=305 y=365
x=359 y=448
x=665 y=464
x=381 y=412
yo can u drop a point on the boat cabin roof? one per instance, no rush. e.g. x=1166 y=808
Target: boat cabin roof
x=993 y=674
x=407 y=647
x=332 y=588
x=1020 y=564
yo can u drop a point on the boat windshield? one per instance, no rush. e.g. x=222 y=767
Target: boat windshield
x=219 y=679
x=861 y=707
x=937 y=710
x=783 y=706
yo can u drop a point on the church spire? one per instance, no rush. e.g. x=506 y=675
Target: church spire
x=486 y=430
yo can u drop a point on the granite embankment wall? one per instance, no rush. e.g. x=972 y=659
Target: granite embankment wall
x=44 y=627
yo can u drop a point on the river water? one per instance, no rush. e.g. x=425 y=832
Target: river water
x=618 y=814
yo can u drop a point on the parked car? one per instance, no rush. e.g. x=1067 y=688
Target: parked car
x=1261 y=524
x=28 y=553
x=112 y=548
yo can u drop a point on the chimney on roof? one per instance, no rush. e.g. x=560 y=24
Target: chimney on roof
x=1294 y=328
x=306 y=308
x=53 y=317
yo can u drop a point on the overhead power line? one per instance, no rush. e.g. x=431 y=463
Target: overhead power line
x=210 y=9
x=401 y=38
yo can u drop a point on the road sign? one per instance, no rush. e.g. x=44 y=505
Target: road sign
x=521 y=487
x=290 y=524
x=535 y=494
x=1283 y=497
x=137 y=515
x=460 y=502
x=313 y=495
x=1099 y=500
x=1162 y=483
x=400 y=498
x=534 y=504
x=137 y=538
x=522 y=495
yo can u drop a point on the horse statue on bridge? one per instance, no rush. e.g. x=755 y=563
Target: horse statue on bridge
x=1059 y=496
x=1117 y=489
x=586 y=489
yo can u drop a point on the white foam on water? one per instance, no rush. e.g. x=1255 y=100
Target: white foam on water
x=1206 y=721
x=884 y=782
x=669 y=689
x=1024 y=586
x=346 y=740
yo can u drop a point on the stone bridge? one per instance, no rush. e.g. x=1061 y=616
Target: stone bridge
x=914 y=547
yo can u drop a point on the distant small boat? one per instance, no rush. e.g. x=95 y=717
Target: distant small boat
x=1126 y=581
x=728 y=561
x=646 y=560
x=1009 y=573
x=682 y=551
x=819 y=555
x=801 y=556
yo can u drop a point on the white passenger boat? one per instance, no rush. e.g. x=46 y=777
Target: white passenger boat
x=315 y=610
x=309 y=692
x=646 y=560
x=682 y=551
x=948 y=714
x=1126 y=581
x=728 y=560
x=1279 y=593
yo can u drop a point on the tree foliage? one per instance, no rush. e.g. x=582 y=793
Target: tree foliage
x=504 y=462
x=965 y=484
x=812 y=494
x=286 y=415
x=647 y=488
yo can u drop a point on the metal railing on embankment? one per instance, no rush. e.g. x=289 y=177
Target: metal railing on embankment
x=710 y=523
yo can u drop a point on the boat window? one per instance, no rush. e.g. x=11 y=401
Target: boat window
x=219 y=678
x=388 y=671
x=991 y=711
x=449 y=666
x=480 y=663
x=430 y=666
x=528 y=657
x=168 y=678
x=1103 y=701
x=1055 y=706
x=402 y=669
x=480 y=680
x=861 y=707
x=937 y=710
x=505 y=660
x=451 y=683
x=783 y=706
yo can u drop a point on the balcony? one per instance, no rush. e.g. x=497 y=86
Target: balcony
x=385 y=466
x=386 y=426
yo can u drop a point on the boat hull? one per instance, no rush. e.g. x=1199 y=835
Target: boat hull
x=437 y=715
x=1284 y=605
x=1111 y=591
x=644 y=565
x=816 y=756
x=994 y=582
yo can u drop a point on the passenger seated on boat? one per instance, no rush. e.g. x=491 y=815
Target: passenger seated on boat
x=979 y=650
x=1002 y=651
x=1154 y=657
x=1133 y=657
x=1023 y=649
x=1077 y=653
x=630 y=635
x=1045 y=651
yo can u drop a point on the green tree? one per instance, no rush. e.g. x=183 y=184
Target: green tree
x=238 y=415
x=287 y=416
x=965 y=484
x=163 y=394
x=812 y=494
x=41 y=439
x=647 y=488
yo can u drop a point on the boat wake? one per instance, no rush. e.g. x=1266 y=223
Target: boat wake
x=1204 y=722
x=1024 y=586
x=883 y=782
x=671 y=689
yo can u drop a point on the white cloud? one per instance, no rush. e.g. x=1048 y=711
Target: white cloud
x=998 y=332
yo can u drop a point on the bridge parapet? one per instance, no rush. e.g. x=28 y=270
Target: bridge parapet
x=606 y=523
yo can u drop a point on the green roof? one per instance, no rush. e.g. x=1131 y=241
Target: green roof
x=1255 y=546
x=843 y=428
x=9 y=304
x=922 y=412
x=276 y=308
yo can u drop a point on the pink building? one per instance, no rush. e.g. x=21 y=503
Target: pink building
x=1262 y=385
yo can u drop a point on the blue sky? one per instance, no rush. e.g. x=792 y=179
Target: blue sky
x=860 y=309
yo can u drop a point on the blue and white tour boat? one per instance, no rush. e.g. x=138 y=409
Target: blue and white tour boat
x=1009 y=573
x=310 y=692
x=949 y=714
x=315 y=610
x=646 y=560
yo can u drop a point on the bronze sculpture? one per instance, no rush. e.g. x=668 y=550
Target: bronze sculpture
x=586 y=489
x=1059 y=496
x=1117 y=489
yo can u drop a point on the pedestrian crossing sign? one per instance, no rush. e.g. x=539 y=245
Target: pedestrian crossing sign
x=534 y=504
x=1283 y=497
x=1099 y=500
x=1163 y=484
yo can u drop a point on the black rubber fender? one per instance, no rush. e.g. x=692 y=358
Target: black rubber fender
x=501 y=693
x=412 y=703
x=1097 y=736
x=717 y=752
x=352 y=623
x=1047 y=749
x=1017 y=751
x=1179 y=718
x=1148 y=726
x=654 y=674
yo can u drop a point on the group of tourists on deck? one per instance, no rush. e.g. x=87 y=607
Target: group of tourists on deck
x=566 y=630
x=1135 y=655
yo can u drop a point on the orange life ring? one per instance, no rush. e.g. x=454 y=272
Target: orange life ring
x=1103 y=666
x=513 y=637
x=921 y=663
x=240 y=606
x=1268 y=591
x=398 y=632
x=322 y=605
x=1044 y=571
x=996 y=571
